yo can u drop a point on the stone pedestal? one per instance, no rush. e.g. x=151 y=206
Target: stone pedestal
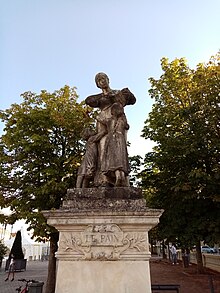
x=103 y=247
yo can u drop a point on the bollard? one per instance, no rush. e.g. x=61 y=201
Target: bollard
x=35 y=287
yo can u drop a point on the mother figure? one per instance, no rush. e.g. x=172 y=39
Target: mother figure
x=112 y=162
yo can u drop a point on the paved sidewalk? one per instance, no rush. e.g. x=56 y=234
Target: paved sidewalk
x=162 y=272
x=36 y=270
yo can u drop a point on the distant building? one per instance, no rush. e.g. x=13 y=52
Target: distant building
x=33 y=250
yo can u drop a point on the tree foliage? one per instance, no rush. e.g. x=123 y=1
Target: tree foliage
x=3 y=251
x=182 y=172
x=40 y=151
x=135 y=163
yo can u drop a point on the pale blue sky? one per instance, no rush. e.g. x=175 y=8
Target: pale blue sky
x=45 y=44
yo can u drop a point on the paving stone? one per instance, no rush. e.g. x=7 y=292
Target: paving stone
x=162 y=272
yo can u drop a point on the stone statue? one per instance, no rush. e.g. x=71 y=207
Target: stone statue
x=115 y=157
x=112 y=166
x=87 y=169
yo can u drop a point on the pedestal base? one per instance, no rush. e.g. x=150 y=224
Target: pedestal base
x=103 y=242
x=106 y=252
x=103 y=277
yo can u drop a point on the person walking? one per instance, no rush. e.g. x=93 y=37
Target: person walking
x=11 y=269
x=173 y=252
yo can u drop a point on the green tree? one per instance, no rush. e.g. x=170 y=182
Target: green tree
x=40 y=151
x=3 y=251
x=136 y=163
x=182 y=172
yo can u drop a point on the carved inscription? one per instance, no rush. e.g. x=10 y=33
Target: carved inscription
x=101 y=239
x=102 y=242
x=102 y=235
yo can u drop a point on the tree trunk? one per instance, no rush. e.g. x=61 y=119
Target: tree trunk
x=51 y=275
x=200 y=267
x=163 y=249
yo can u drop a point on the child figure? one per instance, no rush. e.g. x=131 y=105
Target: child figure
x=115 y=150
x=87 y=168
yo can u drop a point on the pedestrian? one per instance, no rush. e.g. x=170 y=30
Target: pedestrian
x=173 y=252
x=188 y=256
x=11 y=268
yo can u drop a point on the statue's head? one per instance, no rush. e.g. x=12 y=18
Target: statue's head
x=101 y=78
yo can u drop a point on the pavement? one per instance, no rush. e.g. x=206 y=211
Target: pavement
x=162 y=272
x=35 y=270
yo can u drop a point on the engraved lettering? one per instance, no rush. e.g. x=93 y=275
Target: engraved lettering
x=103 y=242
x=87 y=238
x=109 y=238
x=93 y=238
x=102 y=238
x=116 y=238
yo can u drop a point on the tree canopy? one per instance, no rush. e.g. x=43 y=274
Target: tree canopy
x=40 y=151
x=182 y=172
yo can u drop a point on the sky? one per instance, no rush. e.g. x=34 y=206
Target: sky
x=46 y=44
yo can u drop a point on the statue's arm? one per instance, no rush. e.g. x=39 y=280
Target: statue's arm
x=93 y=101
x=129 y=97
x=98 y=136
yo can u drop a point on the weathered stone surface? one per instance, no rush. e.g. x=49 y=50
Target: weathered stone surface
x=79 y=205
x=104 y=199
x=103 y=236
x=103 y=242
x=103 y=277
x=105 y=161
x=104 y=251
x=105 y=192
